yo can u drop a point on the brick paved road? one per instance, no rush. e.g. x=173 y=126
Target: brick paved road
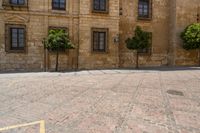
x=103 y=101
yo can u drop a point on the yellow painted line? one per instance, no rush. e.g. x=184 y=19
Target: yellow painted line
x=42 y=126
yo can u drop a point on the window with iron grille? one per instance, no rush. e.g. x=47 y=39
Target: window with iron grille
x=59 y=4
x=144 y=9
x=99 y=40
x=100 y=6
x=15 y=38
x=17 y=2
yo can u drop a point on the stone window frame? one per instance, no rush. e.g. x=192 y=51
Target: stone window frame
x=150 y=11
x=59 y=9
x=8 y=38
x=66 y=29
x=7 y=3
x=99 y=11
x=147 y=51
x=106 y=30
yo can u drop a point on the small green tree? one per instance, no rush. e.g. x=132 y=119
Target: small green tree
x=191 y=37
x=57 y=41
x=140 y=41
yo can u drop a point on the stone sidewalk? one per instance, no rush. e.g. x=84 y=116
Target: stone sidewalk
x=102 y=101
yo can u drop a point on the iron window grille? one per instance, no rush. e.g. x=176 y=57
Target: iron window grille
x=144 y=9
x=59 y=4
x=100 y=6
x=99 y=40
x=17 y=2
x=15 y=38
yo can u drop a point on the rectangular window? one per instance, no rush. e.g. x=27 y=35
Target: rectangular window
x=59 y=4
x=144 y=9
x=100 y=6
x=15 y=38
x=99 y=40
x=17 y=2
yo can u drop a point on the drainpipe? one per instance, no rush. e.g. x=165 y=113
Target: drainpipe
x=45 y=66
x=46 y=51
x=171 y=53
x=77 y=63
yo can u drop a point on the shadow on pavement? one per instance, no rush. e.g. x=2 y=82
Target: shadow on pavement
x=119 y=69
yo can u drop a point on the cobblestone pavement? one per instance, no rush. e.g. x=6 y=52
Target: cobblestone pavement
x=102 y=101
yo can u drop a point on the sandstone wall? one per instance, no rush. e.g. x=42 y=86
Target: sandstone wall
x=38 y=17
x=87 y=58
x=186 y=14
x=158 y=25
x=169 y=18
x=32 y=59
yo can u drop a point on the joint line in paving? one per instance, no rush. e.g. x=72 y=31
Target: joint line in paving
x=130 y=106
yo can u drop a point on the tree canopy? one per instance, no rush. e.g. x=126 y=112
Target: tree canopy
x=141 y=40
x=191 y=37
x=58 y=40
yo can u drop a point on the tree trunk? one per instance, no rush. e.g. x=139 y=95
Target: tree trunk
x=57 y=54
x=45 y=59
x=133 y=60
x=137 y=59
x=199 y=56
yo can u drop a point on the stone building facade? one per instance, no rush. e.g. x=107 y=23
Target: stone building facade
x=98 y=28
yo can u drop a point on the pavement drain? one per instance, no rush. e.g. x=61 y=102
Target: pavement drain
x=175 y=92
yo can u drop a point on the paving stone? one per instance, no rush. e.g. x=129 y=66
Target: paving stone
x=110 y=101
x=150 y=100
x=184 y=104
x=98 y=123
x=151 y=113
x=137 y=126
x=187 y=119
